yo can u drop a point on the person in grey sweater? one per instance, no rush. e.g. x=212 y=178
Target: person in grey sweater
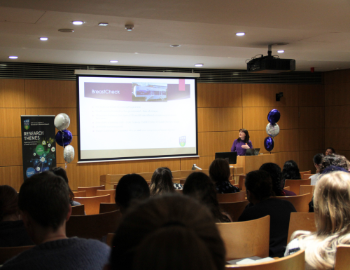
x=44 y=203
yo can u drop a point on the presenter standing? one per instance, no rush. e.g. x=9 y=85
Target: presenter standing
x=241 y=144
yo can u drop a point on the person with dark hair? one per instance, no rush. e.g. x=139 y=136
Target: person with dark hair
x=12 y=230
x=277 y=179
x=329 y=151
x=199 y=186
x=317 y=162
x=131 y=188
x=333 y=160
x=167 y=232
x=241 y=144
x=219 y=172
x=61 y=172
x=162 y=181
x=259 y=191
x=291 y=170
x=45 y=207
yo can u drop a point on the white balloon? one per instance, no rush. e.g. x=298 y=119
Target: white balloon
x=272 y=130
x=62 y=121
x=68 y=153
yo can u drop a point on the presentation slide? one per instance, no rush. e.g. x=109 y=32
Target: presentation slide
x=134 y=117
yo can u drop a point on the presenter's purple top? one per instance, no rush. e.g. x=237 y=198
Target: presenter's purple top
x=237 y=147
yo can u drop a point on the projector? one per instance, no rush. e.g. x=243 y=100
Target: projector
x=270 y=64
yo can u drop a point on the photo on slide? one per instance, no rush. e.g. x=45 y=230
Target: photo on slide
x=154 y=92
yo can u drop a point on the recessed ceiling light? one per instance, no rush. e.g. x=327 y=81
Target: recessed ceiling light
x=129 y=27
x=113 y=61
x=66 y=30
x=175 y=45
x=199 y=65
x=77 y=22
x=103 y=24
x=136 y=53
x=240 y=34
x=44 y=39
x=13 y=57
x=280 y=51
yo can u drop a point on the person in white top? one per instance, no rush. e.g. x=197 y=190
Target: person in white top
x=317 y=161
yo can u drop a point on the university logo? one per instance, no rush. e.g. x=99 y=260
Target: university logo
x=182 y=141
x=26 y=124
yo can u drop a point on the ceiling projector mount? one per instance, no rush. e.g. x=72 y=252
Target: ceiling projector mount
x=270 y=63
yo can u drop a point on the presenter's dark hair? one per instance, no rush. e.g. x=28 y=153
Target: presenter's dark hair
x=162 y=181
x=199 y=186
x=291 y=170
x=45 y=197
x=131 y=188
x=219 y=170
x=260 y=184
x=168 y=232
x=318 y=159
x=246 y=139
x=61 y=172
x=8 y=201
x=276 y=177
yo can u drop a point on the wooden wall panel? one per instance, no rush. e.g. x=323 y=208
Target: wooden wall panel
x=50 y=93
x=255 y=118
x=219 y=95
x=12 y=176
x=211 y=142
x=337 y=94
x=306 y=160
x=10 y=120
x=337 y=116
x=282 y=157
x=219 y=119
x=255 y=95
x=311 y=139
x=71 y=112
x=11 y=152
x=338 y=138
x=311 y=117
x=202 y=162
x=12 y=93
x=311 y=95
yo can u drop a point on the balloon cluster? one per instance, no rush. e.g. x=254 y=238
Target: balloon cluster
x=272 y=129
x=64 y=136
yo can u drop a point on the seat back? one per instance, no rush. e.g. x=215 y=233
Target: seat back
x=182 y=181
x=307 y=176
x=109 y=239
x=303 y=173
x=108 y=207
x=90 y=191
x=246 y=239
x=300 y=202
x=295 y=261
x=111 y=192
x=342 y=257
x=307 y=189
x=287 y=188
x=241 y=182
x=92 y=204
x=301 y=221
x=81 y=193
x=78 y=210
x=7 y=253
x=93 y=226
x=231 y=197
x=296 y=183
x=234 y=209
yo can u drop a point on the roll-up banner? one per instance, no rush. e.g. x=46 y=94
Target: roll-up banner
x=38 y=144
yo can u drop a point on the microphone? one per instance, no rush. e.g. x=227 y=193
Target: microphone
x=195 y=167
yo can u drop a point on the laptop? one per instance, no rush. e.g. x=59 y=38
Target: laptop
x=252 y=152
x=231 y=157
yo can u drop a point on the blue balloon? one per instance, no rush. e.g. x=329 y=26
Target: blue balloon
x=63 y=138
x=273 y=116
x=269 y=144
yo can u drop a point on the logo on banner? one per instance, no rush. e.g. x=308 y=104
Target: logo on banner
x=26 y=124
x=182 y=141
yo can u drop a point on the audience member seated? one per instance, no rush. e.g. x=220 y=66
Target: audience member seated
x=131 y=188
x=12 y=231
x=329 y=151
x=198 y=185
x=277 y=179
x=162 y=181
x=259 y=190
x=332 y=217
x=219 y=172
x=61 y=172
x=45 y=207
x=317 y=162
x=291 y=170
x=167 y=232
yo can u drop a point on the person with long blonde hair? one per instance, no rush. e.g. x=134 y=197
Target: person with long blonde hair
x=332 y=217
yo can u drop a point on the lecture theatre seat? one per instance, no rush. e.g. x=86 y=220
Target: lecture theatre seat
x=92 y=204
x=300 y=202
x=111 y=192
x=234 y=209
x=342 y=257
x=91 y=191
x=231 y=197
x=301 y=221
x=7 y=253
x=295 y=184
